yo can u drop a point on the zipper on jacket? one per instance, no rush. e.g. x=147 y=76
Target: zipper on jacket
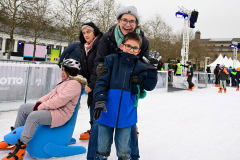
x=121 y=96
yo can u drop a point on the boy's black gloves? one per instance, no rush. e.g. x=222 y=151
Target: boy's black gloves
x=101 y=70
x=99 y=107
x=152 y=63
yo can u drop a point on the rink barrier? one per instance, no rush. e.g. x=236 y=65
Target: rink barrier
x=181 y=81
x=21 y=82
x=162 y=84
x=205 y=79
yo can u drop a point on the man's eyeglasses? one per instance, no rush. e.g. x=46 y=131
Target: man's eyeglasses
x=131 y=22
x=129 y=47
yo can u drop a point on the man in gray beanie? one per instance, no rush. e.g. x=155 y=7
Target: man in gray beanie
x=127 y=21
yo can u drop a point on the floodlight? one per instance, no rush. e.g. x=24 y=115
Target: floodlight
x=179 y=14
x=185 y=16
x=192 y=25
x=194 y=16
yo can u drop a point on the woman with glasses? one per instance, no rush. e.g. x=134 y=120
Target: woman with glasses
x=127 y=21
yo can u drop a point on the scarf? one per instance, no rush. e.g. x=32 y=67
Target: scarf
x=88 y=46
x=119 y=36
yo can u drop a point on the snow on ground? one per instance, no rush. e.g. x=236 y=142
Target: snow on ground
x=182 y=125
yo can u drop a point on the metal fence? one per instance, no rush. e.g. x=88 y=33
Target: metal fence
x=25 y=82
x=205 y=79
x=162 y=84
x=21 y=83
x=26 y=62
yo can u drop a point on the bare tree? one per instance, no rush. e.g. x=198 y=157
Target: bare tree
x=160 y=35
x=197 y=52
x=11 y=13
x=105 y=14
x=71 y=15
x=38 y=19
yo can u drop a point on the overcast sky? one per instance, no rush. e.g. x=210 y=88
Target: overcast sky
x=216 y=19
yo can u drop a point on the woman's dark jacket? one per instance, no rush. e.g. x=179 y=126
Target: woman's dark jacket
x=71 y=52
x=87 y=66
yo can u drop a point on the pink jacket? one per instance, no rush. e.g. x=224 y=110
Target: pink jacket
x=62 y=100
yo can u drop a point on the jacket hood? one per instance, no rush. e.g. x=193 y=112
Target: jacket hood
x=80 y=79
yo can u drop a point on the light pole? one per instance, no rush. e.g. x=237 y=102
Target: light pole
x=235 y=46
x=188 y=23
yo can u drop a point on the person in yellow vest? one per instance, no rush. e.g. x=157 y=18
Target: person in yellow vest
x=178 y=69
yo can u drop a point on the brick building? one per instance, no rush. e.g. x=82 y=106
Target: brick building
x=217 y=46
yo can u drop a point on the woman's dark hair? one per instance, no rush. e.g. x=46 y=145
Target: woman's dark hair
x=71 y=71
x=96 y=31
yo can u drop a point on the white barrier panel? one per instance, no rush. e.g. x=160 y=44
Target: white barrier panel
x=12 y=82
x=202 y=79
x=21 y=82
x=162 y=84
x=212 y=78
x=181 y=82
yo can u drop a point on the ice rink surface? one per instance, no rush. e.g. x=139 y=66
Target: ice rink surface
x=183 y=125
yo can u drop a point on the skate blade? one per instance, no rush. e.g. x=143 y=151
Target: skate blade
x=8 y=148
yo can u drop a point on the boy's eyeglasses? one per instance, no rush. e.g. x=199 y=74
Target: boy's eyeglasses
x=125 y=21
x=129 y=47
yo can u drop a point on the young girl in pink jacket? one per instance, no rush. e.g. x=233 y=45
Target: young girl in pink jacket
x=53 y=109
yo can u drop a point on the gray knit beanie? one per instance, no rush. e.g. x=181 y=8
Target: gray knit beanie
x=129 y=10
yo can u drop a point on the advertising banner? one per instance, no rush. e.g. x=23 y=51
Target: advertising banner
x=54 y=55
x=26 y=81
x=40 y=51
x=12 y=82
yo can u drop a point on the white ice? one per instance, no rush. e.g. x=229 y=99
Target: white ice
x=183 y=125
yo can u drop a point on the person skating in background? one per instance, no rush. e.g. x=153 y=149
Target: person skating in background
x=208 y=71
x=189 y=67
x=216 y=71
x=90 y=37
x=113 y=96
x=53 y=109
x=71 y=52
x=237 y=79
x=233 y=74
x=223 y=75
x=178 y=69
x=229 y=75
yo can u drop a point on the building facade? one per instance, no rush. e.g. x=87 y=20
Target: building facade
x=20 y=40
x=217 y=46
